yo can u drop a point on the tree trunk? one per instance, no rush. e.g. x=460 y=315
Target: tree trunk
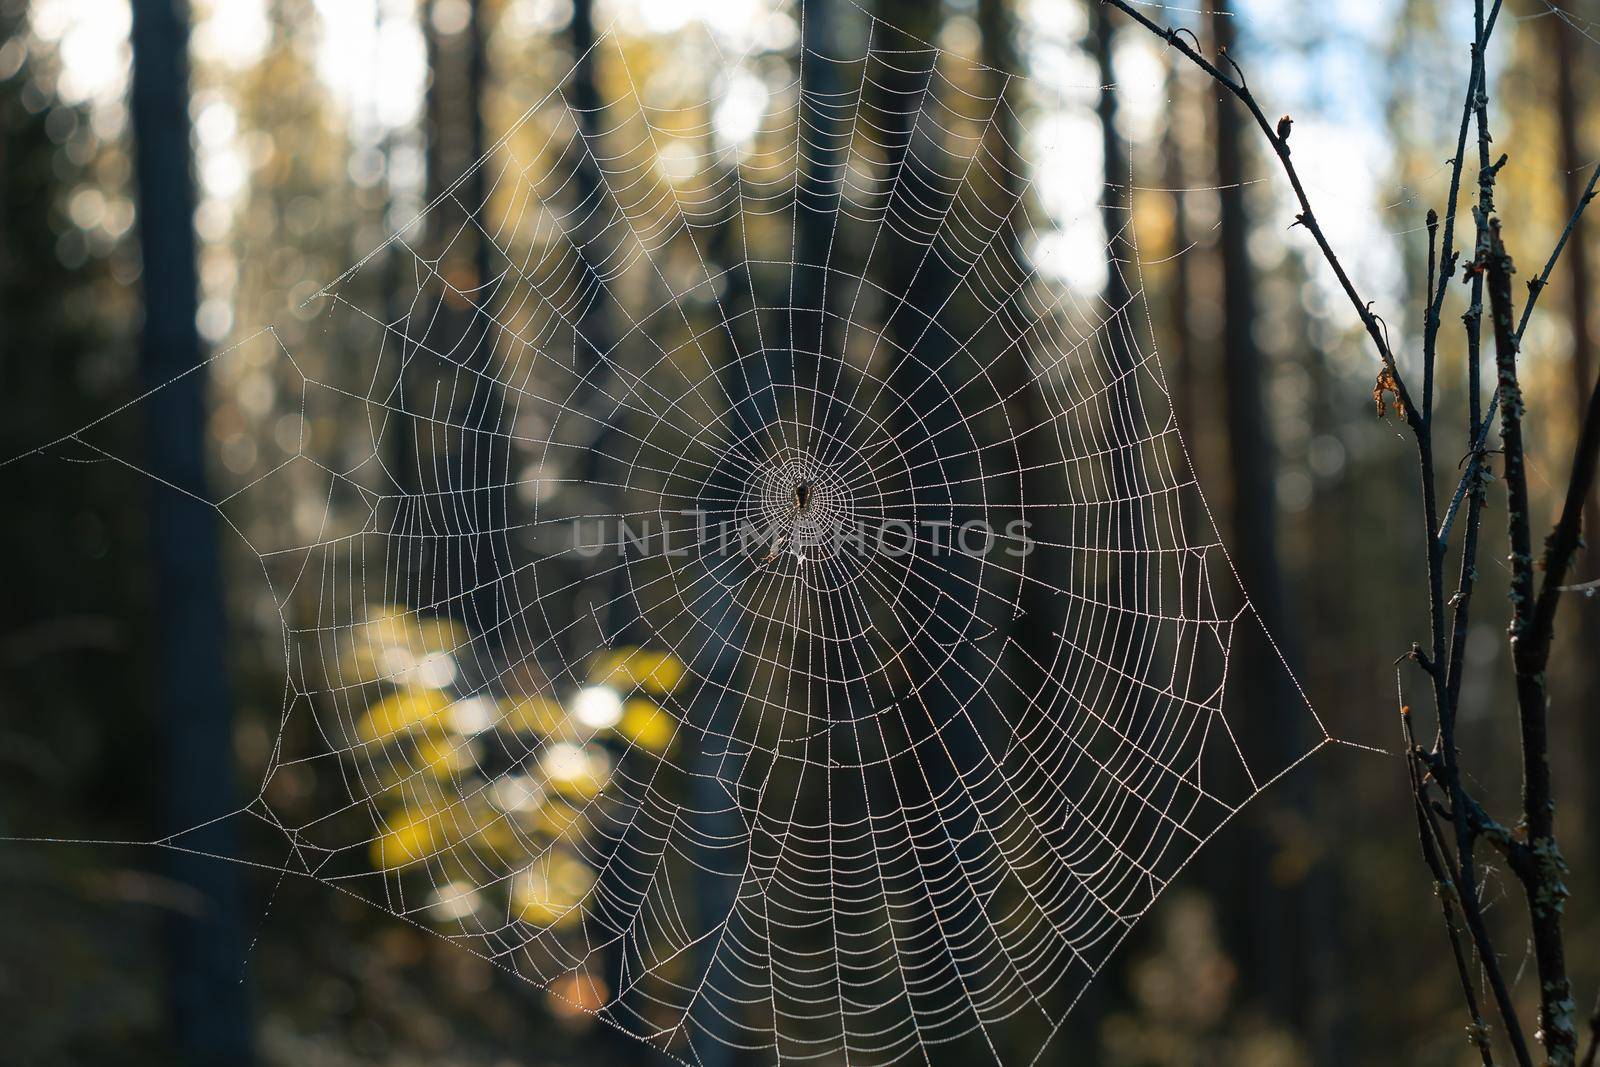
x=465 y=491
x=1127 y=477
x=1180 y=355
x=484 y=465
x=210 y=1008
x=1586 y=625
x=1261 y=917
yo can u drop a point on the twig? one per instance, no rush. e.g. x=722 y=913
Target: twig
x=1535 y=288
x=1434 y=854
x=1470 y=819
x=1588 y=588
x=1562 y=544
x=1307 y=217
x=1466 y=809
x=1541 y=868
x=1482 y=30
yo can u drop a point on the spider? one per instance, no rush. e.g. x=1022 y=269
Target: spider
x=804 y=495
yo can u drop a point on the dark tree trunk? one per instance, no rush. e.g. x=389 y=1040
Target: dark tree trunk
x=1586 y=624
x=1261 y=916
x=816 y=204
x=485 y=463
x=1040 y=616
x=433 y=119
x=594 y=335
x=927 y=309
x=1181 y=354
x=465 y=496
x=1250 y=447
x=1115 y=204
x=477 y=140
x=210 y=1009
x=1133 y=600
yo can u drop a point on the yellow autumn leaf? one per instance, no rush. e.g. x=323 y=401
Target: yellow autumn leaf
x=402 y=711
x=411 y=836
x=437 y=634
x=443 y=755
x=557 y=818
x=627 y=668
x=386 y=622
x=534 y=715
x=494 y=836
x=399 y=645
x=391 y=624
x=647 y=725
x=575 y=770
x=415 y=834
x=551 y=892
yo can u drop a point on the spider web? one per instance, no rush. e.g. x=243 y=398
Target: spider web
x=734 y=586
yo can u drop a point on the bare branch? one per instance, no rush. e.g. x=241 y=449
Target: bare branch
x=1476 y=104
x=1235 y=84
x=1562 y=544
x=1435 y=854
x=1542 y=869
x=1535 y=288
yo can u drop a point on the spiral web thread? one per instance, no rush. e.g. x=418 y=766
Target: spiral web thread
x=817 y=792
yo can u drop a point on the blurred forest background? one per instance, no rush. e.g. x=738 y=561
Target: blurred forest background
x=1306 y=933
